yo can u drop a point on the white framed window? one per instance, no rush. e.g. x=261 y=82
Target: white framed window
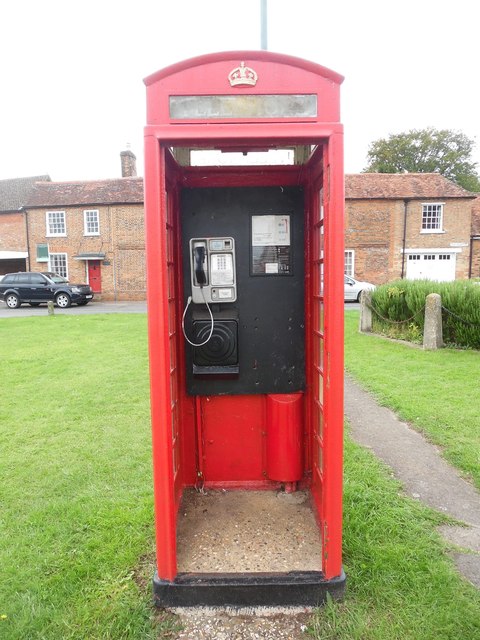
x=91 y=222
x=432 y=217
x=57 y=262
x=349 y=263
x=56 y=225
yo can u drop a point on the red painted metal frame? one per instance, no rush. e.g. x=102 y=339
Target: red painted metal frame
x=163 y=181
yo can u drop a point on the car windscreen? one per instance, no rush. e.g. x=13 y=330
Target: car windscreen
x=58 y=279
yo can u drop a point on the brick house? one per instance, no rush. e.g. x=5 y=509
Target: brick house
x=413 y=225
x=396 y=225
x=90 y=232
x=14 y=193
x=474 y=271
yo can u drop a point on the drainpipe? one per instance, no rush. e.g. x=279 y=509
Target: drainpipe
x=404 y=240
x=470 y=262
x=114 y=254
x=27 y=236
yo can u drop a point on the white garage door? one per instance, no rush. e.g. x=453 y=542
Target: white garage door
x=431 y=266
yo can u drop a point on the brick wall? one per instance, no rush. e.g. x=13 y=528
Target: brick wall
x=129 y=240
x=476 y=259
x=374 y=231
x=476 y=242
x=456 y=231
x=13 y=235
x=370 y=230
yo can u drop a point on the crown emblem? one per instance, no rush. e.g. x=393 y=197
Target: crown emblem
x=242 y=75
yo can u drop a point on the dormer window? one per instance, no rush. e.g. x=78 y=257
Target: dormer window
x=432 y=217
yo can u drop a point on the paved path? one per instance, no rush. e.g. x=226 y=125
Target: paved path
x=421 y=469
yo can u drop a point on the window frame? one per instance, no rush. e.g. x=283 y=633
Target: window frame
x=86 y=232
x=51 y=267
x=425 y=218
x=352 y=255
x=49 y=233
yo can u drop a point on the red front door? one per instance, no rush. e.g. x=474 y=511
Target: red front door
x=95 y=275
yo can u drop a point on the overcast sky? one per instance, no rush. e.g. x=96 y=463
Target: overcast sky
x=72 y=92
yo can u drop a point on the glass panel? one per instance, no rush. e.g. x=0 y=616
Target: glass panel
x=56 y=222
x=320 y=317
x=171 y=282
x=173 y=388
x=173 y=354
x=320 y=456
x=243 y=106
x=42 y=252
x=170 y=245
x=316 y=385
x=320 y=424
x=175 y=459
x=171 y=316
x=316 y=315
x=58 y=264
x=316 y=350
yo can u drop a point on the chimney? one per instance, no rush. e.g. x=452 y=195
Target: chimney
x=129 y=164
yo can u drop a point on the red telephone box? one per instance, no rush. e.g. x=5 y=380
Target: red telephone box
x=245 y=267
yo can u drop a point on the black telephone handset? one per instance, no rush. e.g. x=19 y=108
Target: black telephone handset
x=200 y=275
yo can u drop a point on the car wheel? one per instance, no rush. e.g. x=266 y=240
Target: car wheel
x=359 y=297
x=63 y=300
x=34 y=304
x=12 y=301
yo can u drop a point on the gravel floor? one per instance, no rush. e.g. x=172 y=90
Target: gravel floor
x=243 y=624
x=238 y=531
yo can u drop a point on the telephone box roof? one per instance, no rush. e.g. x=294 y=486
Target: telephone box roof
x=243 y=86
x=263 y=56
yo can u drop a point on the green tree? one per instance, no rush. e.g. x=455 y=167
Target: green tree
x=426 y=151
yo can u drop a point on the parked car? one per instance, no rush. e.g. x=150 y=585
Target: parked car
x=353 y=288
x=36 y=287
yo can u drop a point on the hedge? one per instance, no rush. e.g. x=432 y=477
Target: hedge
x=399 y=310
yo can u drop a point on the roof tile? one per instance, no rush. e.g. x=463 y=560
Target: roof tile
x=62 y=194
x=361 y=186
x=15 y=192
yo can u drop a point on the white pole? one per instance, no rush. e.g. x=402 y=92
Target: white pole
x=263 y=22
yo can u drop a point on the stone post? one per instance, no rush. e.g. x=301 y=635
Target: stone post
x=51 y=308
x=365 y=312
x=433 y=329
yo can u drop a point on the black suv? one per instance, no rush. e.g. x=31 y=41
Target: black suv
x=35 y=287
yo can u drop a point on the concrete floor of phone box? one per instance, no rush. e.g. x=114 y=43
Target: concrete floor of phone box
x=247 y=531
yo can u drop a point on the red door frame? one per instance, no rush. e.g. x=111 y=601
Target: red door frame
x=162 y=176
x=97 y=280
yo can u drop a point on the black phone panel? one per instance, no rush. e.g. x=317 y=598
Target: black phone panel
x=266 y=322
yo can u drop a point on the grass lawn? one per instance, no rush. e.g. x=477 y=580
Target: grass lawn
x=75 y=477
x=436 y=391
x=76 y=507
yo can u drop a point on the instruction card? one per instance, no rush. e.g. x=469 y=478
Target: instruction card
x=271 y=245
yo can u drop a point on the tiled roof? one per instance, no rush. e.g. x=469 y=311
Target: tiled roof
x=358 y=186
x=15 y=192
x=98 y=192
x=363 y=186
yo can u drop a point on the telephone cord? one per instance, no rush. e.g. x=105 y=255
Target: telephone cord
x=200 y=344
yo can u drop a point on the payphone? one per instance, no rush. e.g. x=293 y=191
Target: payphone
x=213 y=270
x=213 y=282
